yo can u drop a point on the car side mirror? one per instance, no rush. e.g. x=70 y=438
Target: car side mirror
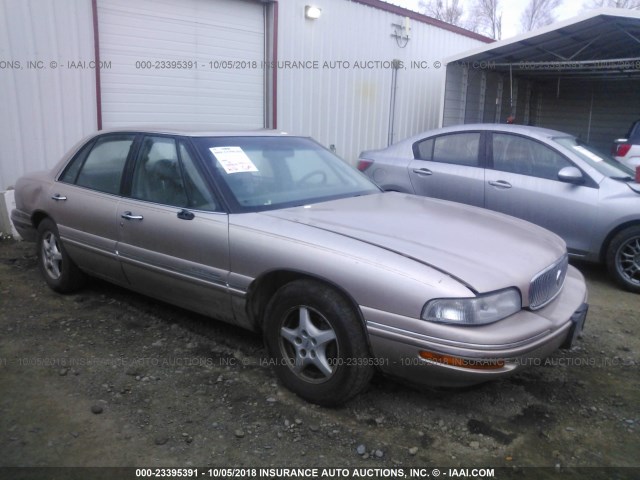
x=571 y=175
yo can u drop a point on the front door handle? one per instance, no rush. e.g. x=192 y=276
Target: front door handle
x=58 y=198
x=422 y=171
x=130 y=216
x=499 y=184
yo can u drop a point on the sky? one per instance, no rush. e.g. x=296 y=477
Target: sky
x=512 y=9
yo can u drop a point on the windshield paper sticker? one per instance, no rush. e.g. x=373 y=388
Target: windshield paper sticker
x=233 y=159
x=587 y=153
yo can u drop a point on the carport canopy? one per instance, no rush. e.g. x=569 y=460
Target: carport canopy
x=604 y=43
x=580 y=76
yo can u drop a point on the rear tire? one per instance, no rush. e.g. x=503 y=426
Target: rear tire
x=317 y=343
x=57 y=268
x=623 y=259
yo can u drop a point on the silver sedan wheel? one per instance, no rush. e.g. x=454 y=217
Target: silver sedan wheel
x=628 y=260
x=310 y=344
x=51 y=256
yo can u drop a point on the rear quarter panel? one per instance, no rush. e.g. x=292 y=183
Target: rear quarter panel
x=30 y=191
x=389 y=168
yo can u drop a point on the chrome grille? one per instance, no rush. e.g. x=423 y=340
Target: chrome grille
x=546 y=285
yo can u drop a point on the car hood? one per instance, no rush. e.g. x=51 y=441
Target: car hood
x=485 y=250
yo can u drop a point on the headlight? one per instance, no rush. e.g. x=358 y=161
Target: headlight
x=473 y=311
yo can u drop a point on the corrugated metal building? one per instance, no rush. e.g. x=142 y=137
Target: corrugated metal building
x=363 y=102
x=580 y=76
x=346 y=78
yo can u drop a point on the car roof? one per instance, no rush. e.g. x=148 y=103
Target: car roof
x=194 y=131
x=400 y=147
x=502 y=127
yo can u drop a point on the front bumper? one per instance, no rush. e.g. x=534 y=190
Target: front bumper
x=459 y=356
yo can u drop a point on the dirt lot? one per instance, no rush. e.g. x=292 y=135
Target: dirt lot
x=110 y=378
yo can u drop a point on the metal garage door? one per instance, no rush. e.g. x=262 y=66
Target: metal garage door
x=182 y=63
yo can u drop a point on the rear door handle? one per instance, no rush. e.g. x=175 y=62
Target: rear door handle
x=130 y=216
x=422 y=171
x=499 y=184
x=58 y=198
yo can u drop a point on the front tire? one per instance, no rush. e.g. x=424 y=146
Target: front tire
x=57 y=268
x=317 y=343
x=623 y=259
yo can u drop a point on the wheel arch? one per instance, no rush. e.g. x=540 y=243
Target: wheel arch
x=37 y=217
x=264 y=287
x=610 y=236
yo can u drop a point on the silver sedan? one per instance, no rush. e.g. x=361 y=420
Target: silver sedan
x=544 y=176
x=275 y=234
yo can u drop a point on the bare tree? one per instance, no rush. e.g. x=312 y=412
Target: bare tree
x=631 y=4
x=538 y=13
x=445 y=10
x=487 y=18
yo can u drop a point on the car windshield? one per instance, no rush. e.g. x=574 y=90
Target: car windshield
x=262 y=173
x=600 y=161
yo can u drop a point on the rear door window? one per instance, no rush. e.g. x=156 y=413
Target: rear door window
x=455 y=149
x=103 y=166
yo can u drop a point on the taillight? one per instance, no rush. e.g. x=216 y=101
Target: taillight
x=364 y=164
x=621 y=149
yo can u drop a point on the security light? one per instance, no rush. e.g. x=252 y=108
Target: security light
x=312 y=12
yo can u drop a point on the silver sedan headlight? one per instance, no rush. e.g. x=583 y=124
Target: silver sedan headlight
x=479 y=310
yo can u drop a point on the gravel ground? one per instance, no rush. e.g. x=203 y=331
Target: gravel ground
x=110 y=378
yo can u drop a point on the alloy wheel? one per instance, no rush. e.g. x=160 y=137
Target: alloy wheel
x=628 y=260
x=309 y=344
x=52 y=256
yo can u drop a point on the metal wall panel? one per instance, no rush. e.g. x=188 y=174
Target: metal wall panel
x=492 y=98
x=46 y=110
x=455 y=95
x=219 y=82
x=616 y=103
x=473 y=110
x=349 y=106
x=48 y=103
x=596 y=111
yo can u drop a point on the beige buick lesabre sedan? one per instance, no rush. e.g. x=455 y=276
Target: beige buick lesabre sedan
x=274 y=233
